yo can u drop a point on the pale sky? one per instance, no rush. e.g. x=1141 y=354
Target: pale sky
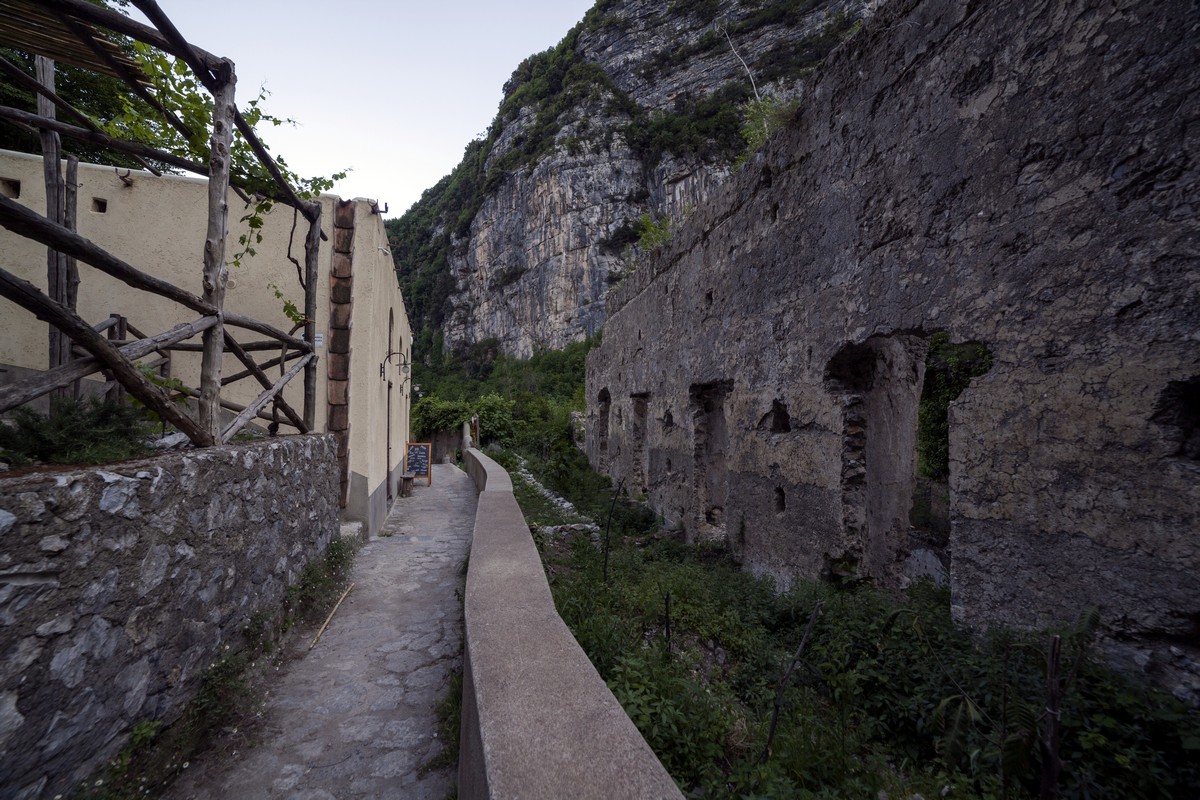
x=394 y=90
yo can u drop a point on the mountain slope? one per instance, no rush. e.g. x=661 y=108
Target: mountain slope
x=637 y=113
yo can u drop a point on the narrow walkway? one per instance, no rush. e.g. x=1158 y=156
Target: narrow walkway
x=355 y=717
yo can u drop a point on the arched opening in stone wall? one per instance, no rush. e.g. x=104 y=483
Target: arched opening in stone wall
x=878 y=384
x=895 y=393
x=605 y=401
x=637 y=479
x=710 y=432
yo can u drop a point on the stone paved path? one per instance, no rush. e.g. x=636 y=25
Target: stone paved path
x=355 y=717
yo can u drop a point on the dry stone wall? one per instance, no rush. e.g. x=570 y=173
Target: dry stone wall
x=119 y=586
x=1021 y=175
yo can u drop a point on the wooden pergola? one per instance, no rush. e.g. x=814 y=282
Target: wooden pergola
x=71 y=31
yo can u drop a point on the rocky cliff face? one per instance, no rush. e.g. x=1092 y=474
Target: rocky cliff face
x=637 y=112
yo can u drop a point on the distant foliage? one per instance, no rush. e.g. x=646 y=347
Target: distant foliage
x=522 y=403
x=432 y=415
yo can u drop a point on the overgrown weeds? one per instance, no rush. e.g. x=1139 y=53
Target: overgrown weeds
x=889 y=696
x=90 y=431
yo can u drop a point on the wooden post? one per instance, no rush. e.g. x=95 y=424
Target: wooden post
x=215 y=273
x=116 y=333
x=71 y=268
x=56 y=268
x=312 y=248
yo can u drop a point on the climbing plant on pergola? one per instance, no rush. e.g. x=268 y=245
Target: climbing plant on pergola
x=72 y=31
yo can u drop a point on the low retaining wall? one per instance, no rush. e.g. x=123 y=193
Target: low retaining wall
x=538 y=721
x=119 y=586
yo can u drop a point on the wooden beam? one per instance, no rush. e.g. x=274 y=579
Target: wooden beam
x=264 y=398
x=266 y=365
x=264 y=381
x=98 y=15
x=30 y=224
x=216 y=274
x=125 y=73
x=56 y=266
x=249 y=347
x=19 y=117
x=71 y=222
x=101 y=138
x=238 y=321
x=312 y=249
x=21 y=392
x=19 y=75
x=29 y=297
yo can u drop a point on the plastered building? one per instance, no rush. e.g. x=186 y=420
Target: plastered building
x=158 y=225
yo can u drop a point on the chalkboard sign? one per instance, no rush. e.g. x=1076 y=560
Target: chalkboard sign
x=417 y=460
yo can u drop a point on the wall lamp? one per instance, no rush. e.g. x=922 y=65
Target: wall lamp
x=401 y=362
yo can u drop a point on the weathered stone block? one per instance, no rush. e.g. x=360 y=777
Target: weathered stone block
x=339 y=418
x=339 y=392
x=339 y=315
x=343 y=266
x=340 y=289
x=339 y=366
x=343 y=215
x=343 y=240
x=339 y=341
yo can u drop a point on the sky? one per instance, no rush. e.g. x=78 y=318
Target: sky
x=393 y=89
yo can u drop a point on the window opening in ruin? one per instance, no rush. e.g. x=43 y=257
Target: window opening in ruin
x=641 y=404
x=777 y=419
x=99 y=205
x=780 y=500
x=668 y=421
x=10 y=188
x=605 y=401
x=1178 y=409
x=878 y=384
x=710 y=446
x=949 y=369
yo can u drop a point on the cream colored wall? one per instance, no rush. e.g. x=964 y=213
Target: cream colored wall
x=158 y=225
x=376 y=292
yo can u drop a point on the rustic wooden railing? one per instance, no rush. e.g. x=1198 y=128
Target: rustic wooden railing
x=64 y=27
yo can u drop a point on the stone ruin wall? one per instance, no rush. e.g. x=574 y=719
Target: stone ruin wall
x=1021 y=175
x=121 y=585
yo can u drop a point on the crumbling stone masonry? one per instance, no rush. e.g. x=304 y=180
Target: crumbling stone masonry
x=1022 y=175
x=119 y=586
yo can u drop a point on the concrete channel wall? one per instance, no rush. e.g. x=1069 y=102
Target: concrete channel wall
x=121 y=585
x=538 y=721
